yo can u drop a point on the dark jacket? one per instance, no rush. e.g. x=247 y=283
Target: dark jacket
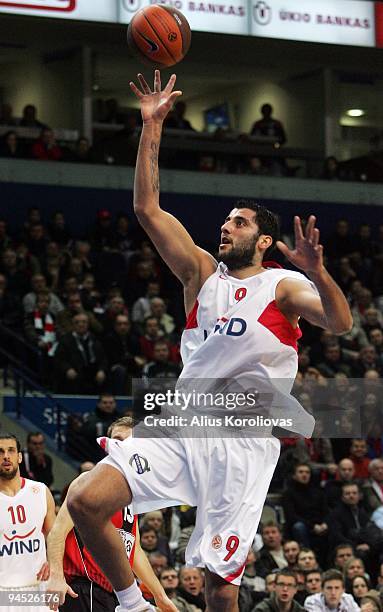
x=69 y=356
x=265 y=562
x=343 y=528
x=304 y=503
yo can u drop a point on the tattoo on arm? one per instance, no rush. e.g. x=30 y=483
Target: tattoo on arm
x=154 y=167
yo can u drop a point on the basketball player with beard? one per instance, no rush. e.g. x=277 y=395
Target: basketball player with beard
x=27 y=513
x=242 y=322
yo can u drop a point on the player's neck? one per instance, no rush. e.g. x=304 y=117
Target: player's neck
x=248 y=271
x=11 y=487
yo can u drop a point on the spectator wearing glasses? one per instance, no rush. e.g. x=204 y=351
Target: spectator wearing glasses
x=282 y=599
x=170 y=581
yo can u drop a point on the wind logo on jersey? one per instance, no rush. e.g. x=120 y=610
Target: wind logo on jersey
x=21 y=537
x=230 y=327
x=139 y=463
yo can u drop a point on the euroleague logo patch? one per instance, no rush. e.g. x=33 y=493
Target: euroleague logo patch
x=172 y=36
x=216 y=542
x=139 y=463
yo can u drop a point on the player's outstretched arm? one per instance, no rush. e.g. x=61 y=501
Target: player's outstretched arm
x=144 y=571
x=330 y=309
x=173 y=242
x=57 y=585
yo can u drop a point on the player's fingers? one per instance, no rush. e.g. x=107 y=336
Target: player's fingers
x=72 y=593
x=170 y=84
x=173 y=96
x=145 y=87
x=316 y=235
x=135 y=90
x=157 y=81
x=282 y=247
x=310 y=227
x=298 y=229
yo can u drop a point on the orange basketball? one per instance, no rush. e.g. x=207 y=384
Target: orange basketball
x=159 y=35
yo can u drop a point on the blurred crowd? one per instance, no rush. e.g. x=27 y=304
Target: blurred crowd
x=116 y=134
x=100 y=311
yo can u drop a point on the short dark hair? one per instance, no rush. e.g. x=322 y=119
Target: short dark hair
x=286 y=572
x=332 y=574
x=33 y=434
x=343 y=545
x=266 y=220
x=312 y=571
x=146 y=528
x=5 y=435
x=351 y=483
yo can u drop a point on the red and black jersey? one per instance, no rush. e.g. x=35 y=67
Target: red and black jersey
x=78 y=561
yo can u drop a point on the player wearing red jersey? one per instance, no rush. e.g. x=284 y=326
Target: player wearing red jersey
x=73 y=570
x=225 y=477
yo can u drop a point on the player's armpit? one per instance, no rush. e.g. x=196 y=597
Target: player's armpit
x=176 y=247
x=297 y=299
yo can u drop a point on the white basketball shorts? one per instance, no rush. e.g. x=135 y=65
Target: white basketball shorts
x=227 y=479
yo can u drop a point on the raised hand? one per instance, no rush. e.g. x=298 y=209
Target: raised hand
x=308 y=253
x=156 y=103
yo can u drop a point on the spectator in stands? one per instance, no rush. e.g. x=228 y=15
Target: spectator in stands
x=152 y=333
x=342 y=554
x=340 y=243
x=46 y=147
x=368 y=360
x=313 y=581
x=305 y=508
x=176 y=118
x=13 y=270
x=286 y=586
x=141 y=307
x=103 y=236
x=331 y=170
x=158 y=310
x=333 y=488
x=373 y=488
x=155 y=520
x=6 y=115
x=71 y=286
x=11 y=146
x=80 y=362
x=170 y=581
x=376 y=339
x=125 y=240
x=57 y=229
x=334 y=361
x=10 y=308
x=372 y=319
x=82 y=253
x=36 y=464
x=39 y=285
x=353 y=567
x=307 y=560
x=29 y=118
x=360 y=585
x=332 y=597
x=40 y=330
x=250 y=577
x=96 y=425
x=36 y=240
x=161 y=367
x=115 y=306
x=64 y=321
x=83 y=152
x=291 y=551
x=5 y=240
x=143 y=274
x=90 y=296
x=191 y=586
x=158 y=561
x=268 y=127
x=358 y=455
x=124 y=357
x=348 y=521
x=270 y=581
x=270 y=556
x=371 y=602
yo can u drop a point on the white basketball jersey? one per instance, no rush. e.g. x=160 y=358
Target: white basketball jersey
x=22 y=543
x=236 y=330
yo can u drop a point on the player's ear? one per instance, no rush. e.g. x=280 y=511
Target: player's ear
x=264 y=242
x=20 y=457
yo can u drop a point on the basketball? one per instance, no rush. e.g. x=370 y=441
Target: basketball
x=159 y=35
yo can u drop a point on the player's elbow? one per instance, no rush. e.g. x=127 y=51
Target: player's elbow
x=342 y=327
